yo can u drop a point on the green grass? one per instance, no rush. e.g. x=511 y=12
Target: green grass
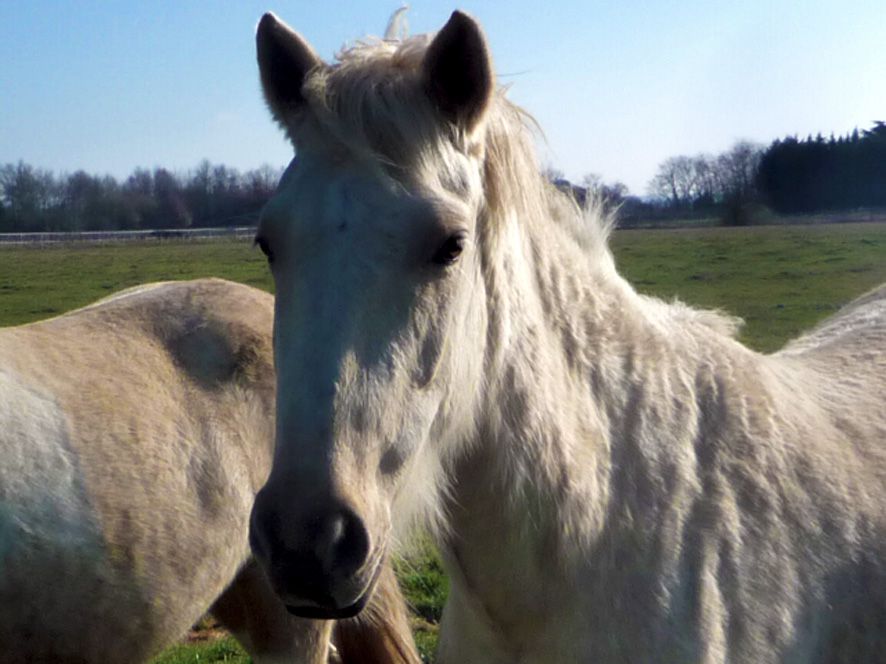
x=780 y=279
x=225 y=649
x=425 y=587
x=37 y=283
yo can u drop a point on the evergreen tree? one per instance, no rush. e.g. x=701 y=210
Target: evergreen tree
x=814 y=175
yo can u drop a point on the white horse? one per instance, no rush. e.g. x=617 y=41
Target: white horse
x=611 y=478
x=134 y=434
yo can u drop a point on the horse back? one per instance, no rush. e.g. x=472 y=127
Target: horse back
x=134 y=435
x=858 y=329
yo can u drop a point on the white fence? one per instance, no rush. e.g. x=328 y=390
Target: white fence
x=108 y=237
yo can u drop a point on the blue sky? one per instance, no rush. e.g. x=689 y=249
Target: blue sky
x=616 y=86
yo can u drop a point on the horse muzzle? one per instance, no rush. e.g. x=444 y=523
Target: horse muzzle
x=320 y=563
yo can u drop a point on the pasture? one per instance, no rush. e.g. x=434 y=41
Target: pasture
x=780 y=279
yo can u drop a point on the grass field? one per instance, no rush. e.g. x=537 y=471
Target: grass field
x=780 y=279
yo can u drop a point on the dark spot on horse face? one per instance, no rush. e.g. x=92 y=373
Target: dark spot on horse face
x=392 y=460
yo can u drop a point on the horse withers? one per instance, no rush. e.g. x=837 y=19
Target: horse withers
x=611 y=478
x=134 y=435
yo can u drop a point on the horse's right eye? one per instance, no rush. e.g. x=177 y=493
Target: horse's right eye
x=450 y=250
x=265 y=248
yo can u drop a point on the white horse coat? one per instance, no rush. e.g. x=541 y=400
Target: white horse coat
x=611 y=478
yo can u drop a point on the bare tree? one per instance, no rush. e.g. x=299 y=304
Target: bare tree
x=28 y=194
x=707 y=182
x=261 y=182
x=172 y=210
x=675 y=181
x=704 y=179
x=738 y=168
x=738 y=172
x=610 y=194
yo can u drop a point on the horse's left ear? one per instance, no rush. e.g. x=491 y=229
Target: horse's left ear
x=457 y=71
x=284 y=60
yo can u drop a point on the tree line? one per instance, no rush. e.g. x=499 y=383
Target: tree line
x=738 y=186
x=34 y=200
x=790 y=176
x=706 y=180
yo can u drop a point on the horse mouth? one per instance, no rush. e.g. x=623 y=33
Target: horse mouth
x=315 y=612
x=329 y=612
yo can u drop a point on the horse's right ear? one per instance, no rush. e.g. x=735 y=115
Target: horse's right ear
x=457 y=71
x=284 y=60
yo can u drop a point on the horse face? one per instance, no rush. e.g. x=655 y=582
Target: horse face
x=377 y=333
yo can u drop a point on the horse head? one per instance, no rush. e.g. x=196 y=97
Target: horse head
x=373 y=242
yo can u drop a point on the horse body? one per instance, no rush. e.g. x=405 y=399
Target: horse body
x=678 y=498
x=610 y=477
x=135 y=434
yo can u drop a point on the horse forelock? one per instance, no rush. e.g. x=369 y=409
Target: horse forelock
x=371 y=105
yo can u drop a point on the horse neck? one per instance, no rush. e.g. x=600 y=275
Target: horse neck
x=574 y=359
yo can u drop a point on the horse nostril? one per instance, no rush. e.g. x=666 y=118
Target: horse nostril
x=305 y=552
x=346 y=542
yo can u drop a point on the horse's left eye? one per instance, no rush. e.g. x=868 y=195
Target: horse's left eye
x=450 y=250
x=265 y=248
